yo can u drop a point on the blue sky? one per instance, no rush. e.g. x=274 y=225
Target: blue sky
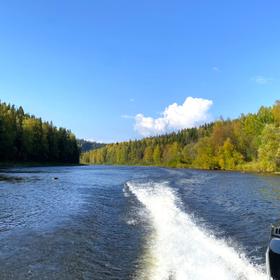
x=92 y=66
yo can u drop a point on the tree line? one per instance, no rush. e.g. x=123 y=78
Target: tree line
x=250 y=142
x=86 y=145
x=25 y=138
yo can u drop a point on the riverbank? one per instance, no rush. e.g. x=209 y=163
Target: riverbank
x=181 y=166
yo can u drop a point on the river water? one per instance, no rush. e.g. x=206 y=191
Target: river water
x=103 y=222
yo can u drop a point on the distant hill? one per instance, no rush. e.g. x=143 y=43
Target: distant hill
x=86 y=145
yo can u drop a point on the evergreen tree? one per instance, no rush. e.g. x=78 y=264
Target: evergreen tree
x=27 y=138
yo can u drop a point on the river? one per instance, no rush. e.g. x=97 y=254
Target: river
x=104 y=222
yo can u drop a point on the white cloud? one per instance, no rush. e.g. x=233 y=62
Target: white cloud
x=261 y=80
x=216 y=69
x=193 y=112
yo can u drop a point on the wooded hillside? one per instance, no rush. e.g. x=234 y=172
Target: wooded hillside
x=251 y=142
x=25 y=138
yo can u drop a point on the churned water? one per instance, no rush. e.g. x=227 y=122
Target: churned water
x=101 y=222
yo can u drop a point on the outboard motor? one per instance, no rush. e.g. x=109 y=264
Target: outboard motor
x=273 y=253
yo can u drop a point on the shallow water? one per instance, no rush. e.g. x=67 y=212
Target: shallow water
x=134 y=223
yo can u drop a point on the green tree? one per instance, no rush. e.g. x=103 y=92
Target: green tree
x=188 y=154
x=157 y=154
x=205 y=156
x=27 y=138
x=276 y=113
x=228 y=157
x=171 y=154
x=148 y=155
x=269 y=150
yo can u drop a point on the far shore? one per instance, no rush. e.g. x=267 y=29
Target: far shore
x=189 y=168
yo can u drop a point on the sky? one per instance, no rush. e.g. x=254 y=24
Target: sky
x=117 y=70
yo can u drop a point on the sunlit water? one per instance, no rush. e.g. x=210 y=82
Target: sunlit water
x=134 y=223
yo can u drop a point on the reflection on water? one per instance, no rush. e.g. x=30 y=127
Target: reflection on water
x=11 y=179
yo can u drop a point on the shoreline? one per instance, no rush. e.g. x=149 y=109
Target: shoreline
x=276 y=173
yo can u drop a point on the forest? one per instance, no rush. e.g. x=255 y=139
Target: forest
x=250 y=143
x=86 y=145
x=25 y=138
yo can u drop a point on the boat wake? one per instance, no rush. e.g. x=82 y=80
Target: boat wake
x=179 y=248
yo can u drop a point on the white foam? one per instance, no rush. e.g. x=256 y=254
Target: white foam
x=125 y=192
x=179 y=249
x=132 y=222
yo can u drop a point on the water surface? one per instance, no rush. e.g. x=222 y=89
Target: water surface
x=134 y=223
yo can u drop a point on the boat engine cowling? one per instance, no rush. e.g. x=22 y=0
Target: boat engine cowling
x=273 y=253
